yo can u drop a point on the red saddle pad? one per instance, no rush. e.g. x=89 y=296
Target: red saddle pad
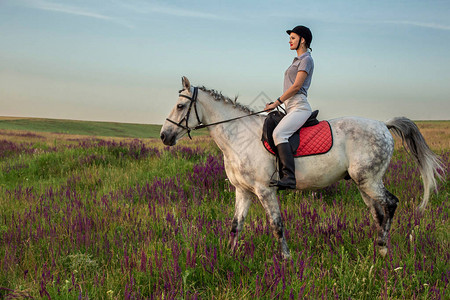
x=316 y=139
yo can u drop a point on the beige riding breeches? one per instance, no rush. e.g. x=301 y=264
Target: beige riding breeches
x=298 y=111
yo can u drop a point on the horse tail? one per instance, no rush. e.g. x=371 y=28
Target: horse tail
x=430 y=165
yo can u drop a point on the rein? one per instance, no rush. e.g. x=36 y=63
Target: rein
x=193 y=100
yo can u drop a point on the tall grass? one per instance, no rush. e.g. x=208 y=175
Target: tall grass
x=112 y=220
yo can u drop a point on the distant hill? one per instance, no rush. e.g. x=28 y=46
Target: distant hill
x=84 y=127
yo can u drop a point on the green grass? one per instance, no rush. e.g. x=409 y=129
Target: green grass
x=105 y=220
x=43 y=168
x=85 y=127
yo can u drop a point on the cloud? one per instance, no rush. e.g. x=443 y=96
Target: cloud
x=70 y=10
x=143 y=7
x=135 y=7
x=77 y=11
x=421 y=24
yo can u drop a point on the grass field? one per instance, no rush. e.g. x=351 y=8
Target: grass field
x=107 y=129
x=96 y=217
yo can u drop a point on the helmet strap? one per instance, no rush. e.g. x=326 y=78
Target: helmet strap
x=299 y=43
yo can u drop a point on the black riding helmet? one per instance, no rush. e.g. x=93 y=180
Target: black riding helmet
x=303 y=32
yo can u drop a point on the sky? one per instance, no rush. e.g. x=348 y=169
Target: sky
x=122 y=60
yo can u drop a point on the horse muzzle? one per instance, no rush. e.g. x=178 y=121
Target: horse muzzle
x=168 y=138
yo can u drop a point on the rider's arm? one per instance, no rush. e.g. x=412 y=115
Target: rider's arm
x=299 y=79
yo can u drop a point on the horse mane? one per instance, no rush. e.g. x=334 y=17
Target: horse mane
x=219 y=97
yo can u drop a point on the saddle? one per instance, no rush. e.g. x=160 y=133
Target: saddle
x=312 y=138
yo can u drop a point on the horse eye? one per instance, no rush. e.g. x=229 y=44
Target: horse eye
x=180 y=106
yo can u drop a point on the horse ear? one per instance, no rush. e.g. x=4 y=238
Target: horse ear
x=185 y=82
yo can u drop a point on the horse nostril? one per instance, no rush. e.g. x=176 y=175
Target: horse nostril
x=163 y=136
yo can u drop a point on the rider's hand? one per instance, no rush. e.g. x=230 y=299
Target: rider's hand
x=270 y=106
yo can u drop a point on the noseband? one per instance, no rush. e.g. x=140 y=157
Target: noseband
x=193 y=100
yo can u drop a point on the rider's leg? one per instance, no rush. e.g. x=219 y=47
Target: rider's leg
x=284 y=130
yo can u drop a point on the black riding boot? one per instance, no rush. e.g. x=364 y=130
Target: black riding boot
x=287 y=180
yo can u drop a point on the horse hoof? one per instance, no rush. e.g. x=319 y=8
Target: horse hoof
x=286 y=256
x=232 y=242
x=383 y=251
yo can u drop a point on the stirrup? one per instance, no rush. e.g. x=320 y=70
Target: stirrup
x=273 y=182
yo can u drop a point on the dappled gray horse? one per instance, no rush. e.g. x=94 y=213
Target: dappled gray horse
x=362 y=151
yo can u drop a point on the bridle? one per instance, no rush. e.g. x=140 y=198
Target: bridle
x=193 y=100
x=200 y=125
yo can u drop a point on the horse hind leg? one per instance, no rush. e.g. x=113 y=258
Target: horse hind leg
x=382 y=205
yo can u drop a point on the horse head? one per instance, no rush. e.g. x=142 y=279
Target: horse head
x=184 y=115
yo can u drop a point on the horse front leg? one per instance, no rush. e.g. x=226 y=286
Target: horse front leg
x=268 y=198
x=243 y=201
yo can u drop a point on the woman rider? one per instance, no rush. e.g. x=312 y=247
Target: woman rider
x=297 y=80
